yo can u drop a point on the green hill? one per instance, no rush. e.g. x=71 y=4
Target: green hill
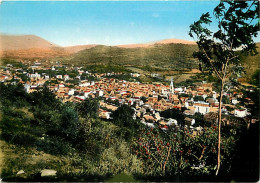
x=177 y=56
x=251 y=63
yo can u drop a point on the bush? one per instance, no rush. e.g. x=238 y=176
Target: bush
x=88 y=108
x=118 y=159
x=54 y=145
x=18 y=131
x=69 y=126
x=94 y=136
x=13 y=95
x=171 y=154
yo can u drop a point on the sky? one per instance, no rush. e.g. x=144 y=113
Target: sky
x=68 y=23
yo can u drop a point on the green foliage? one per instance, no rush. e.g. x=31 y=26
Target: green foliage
x=118 y=159
x=123 y=117
x=69 y=126
x=173 y=153
x=185 y=95
x=23 y=77
x=256 y=78
x=88 y=108
x=16 y=131
x=40 y=123
x=13 y=94
x=198 y=98
x=144 y=99
x=126 y=77
x=54 y=145
x=105 y=68
x=225 y=100
x=251 y=65
x=49 y=82
x=15 y=63
x=168 y=54
x=199 y=119
x=85 y=76
x=188 y=82
x=45 y=98
x=174 y=114
x=237 y=25
x=147 y=68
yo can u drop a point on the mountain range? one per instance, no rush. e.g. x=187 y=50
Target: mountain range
x=169 y=53
x=31 y=46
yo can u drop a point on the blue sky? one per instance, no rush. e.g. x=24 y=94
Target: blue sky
x=108 y=22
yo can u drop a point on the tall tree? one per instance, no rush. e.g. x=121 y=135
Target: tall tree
x=237 y=24
x=123 y=116
x=88 y=108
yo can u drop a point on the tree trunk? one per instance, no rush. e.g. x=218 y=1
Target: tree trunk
x=219 y=125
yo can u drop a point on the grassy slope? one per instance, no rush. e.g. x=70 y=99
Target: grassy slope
x=251 y=63
x=176 y=56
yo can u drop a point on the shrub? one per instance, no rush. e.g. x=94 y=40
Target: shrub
x=170 y=154
x=117 y=159
x=54 y=145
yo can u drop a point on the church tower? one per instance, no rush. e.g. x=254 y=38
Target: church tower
x=171 y=86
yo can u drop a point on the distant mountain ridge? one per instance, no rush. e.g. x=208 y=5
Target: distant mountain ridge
x=21 y=42
x=31 y=47
x=165 y=41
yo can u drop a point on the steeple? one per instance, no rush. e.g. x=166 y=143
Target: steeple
x=171 y=86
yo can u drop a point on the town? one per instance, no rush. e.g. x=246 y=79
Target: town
x=149 y=100
x=119 y=91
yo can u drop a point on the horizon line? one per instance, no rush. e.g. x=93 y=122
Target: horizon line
x=123 y=44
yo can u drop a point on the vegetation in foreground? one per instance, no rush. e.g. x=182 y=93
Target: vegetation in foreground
x=237 y=26
x=39 y=132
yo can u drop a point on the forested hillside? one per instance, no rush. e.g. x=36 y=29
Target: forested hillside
x=164 y=55
x=39 y=132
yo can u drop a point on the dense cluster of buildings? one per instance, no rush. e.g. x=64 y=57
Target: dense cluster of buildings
x=148 y=100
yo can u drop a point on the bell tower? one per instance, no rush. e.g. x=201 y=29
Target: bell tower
x=171 y=86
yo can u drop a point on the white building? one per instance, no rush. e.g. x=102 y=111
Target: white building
x=202 y=107
x=99 y=93
x=84 y=84
x=234 y=101
x=66 y=77
x=61 y=85
x=86 y=93
x=105 y=114
x=154 y=74
x=27 y=88
x=35 y=75
x=240 y=113
x=59 y=76
x=214 y=95
x=136 y=75
x=71 y=91
x=150 y=125
x=179 y=89
x=186 y=104
x=192 y=122
x=172 y=121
